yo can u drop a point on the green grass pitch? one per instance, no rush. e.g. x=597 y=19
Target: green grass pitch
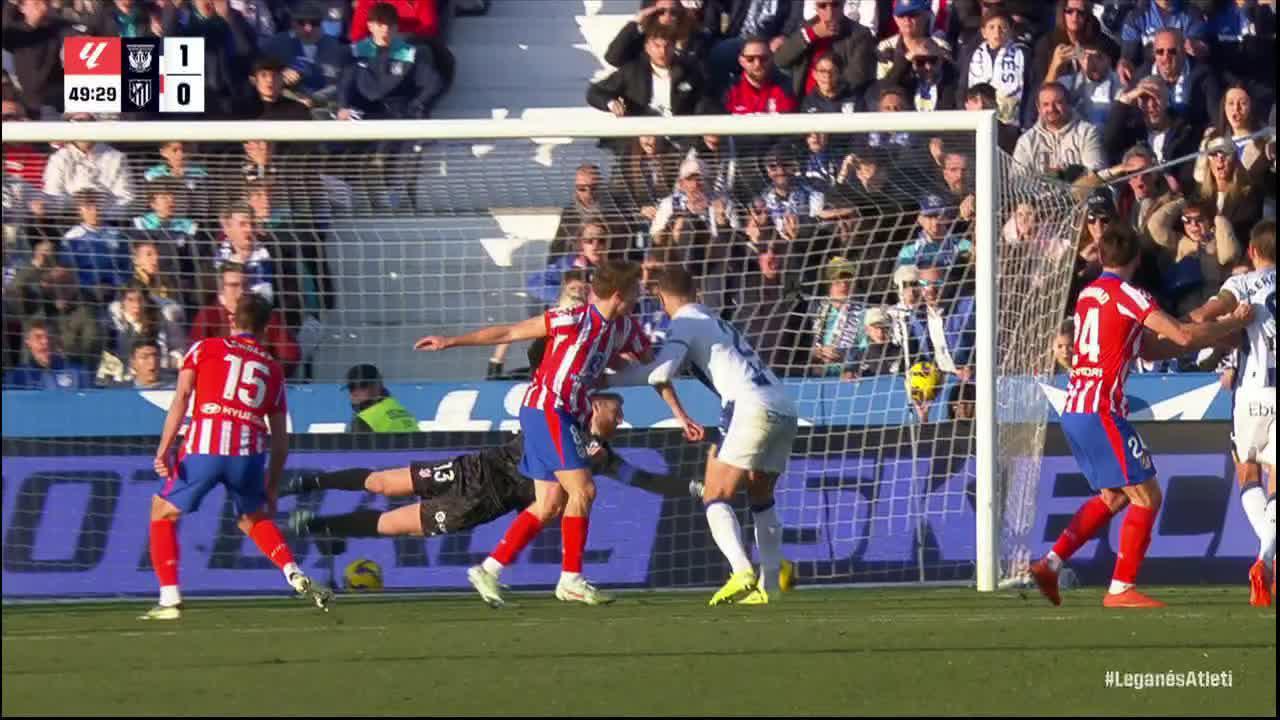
x=818 y=652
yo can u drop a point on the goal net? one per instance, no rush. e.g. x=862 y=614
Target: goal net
x=896 y=273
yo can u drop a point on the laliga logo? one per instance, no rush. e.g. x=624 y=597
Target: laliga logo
x=91 y=52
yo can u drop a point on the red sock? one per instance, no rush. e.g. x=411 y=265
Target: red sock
x=522 y=531
x=164 y=551
x=1135 y=538
x=573 y=531
x=267 y=537
x=1088 y=521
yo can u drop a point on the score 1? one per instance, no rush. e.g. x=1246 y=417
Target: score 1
x=182 y=75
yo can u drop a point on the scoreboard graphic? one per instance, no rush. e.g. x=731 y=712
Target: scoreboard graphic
x=113 y=75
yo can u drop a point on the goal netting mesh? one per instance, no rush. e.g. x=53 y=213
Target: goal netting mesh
x=848 y=260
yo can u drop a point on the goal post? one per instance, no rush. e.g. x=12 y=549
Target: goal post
x=401 y=265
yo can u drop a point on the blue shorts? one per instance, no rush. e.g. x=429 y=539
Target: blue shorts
x=552 y=441
x=196 y=475
x=1108 y=449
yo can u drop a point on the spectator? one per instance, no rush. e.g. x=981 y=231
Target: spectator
x=821 y=163
x=930 y=79
x=828 y=32
x=906 y=283
x=648 y=309
x=764 y=19
x=789 y=200
x=372 y=406
x=1141 y=116
x=337 y=19
x=163 y=200
x=1142 y=193
x=87 y=165
x=883 y=355
x=258 y=16
x=1236 y=120
x=98 y=253
x=890 y=98
x=1193 y=87
x=1091 y=81
x=194 y=179
x=22 y=161
x=983 y=97
x=590 y=203
x=765 y=311
x=214 y=319
x=145 y=371
x=593 y=249
x=388 y=78
x=229 y=47
x=1024 y=232
x=914 y=20
x=829 y=93
x=1237 y=195
x=1031 y=19
x=147 y=273
x=1148 y=18
x=756 y=91
x=44 y=368
x=1100 y=212
x=1242 y=36
x=134 y=317
x=268 y=102
x=119 y=18
x=643 y=175
x=880 y=207
x=34 y=35
x=1063 y=342
x=240 y=247
x=933 y=246
x=963 y=401
x=418 y=20
x=837 y=324
x=1061 y=54
x=657 y=84
x=1196 y=260
x=691 y=209
x=313 y=59
x=1059 y=142
x=691 y=42
x=1003 y=64
x=957 y=188
x=944 y=330
x=719 y=157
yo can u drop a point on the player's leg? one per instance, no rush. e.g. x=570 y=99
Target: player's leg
x=1145 y=499
x=775 y=572
x=580 y=494
x=719 y=489
x=395 y=482
x=191 y=479
x=549 y=501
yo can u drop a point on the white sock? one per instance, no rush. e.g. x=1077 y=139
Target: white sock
x=769 y=543
x=728 y=535
x=289 y=569
x=1269 y=543
x=170 y=596
x=1053 y=561
x=1118 y=587
x=1254 y=502
x=566 y=576
x=491 y=566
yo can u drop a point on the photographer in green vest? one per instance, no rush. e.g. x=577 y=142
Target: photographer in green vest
x=375 y=410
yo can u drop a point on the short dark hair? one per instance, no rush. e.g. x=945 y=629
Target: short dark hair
x=228 y=267
x=253 y=312
x=615 y=277
x=145 y=341
x=1263 y=239
x=385 y=14
x=677 y=281
x=752 y=40
x=1119 y=246
x=1206 y=207
x=661 y=32
x=36 y=323
x=87 y=197
x=236 y=208
x=574 y=275
x=163 y=186
x=985 y=92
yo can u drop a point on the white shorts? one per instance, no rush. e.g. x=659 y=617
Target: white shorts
x=1253 y=430
x=758 y=439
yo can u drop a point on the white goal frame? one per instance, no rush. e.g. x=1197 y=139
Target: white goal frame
x=982 y=124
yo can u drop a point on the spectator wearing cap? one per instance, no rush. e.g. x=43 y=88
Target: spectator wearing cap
x=915 y=22
x=268 y=101
x=1238 y=195
x=692 y=42
x=944 y=330
x=933 y=245
x=930 y=79
x=1090 y=79
x=386 y=78
x=983 y=97
x=1141 y=116
x=215 y=319
x=98 y=252
x=313 y=59
x=229 y=47
x=34 y=35
x=1060 y=141
x=756 y=90
x=1060 y=54
x=1193 y=86
x=829 y=93
x=1138 y=34
x=87 y=165
x=44 y=368
x=883 y=355
x=1242 y=40
x=119 y=18
x=1002 y=63
x=836 y=321
x=373 y=408
x=828 y=32
x=692 y=210
x=593 y=249
x=1195 y=260
x=656 y=84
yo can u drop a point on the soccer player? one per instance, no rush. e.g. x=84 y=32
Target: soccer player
x=581 y=342
x=758 y=422
x=1254 y=400
x=1115 y=323
x=239 y=409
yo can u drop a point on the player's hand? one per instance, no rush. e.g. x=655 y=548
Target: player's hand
x=432 y=343
x=161 y=464
x=618 y=107
x=968 y=207
x=1243 y=314
x=693 y=432
x=1227 y=379
x=1125 y=71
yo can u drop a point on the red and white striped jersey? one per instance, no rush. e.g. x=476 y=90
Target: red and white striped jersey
x=1109 y=323
x=580 y=345
x=238 y=385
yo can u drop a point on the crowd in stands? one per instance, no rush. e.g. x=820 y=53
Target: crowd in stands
x=840 y=257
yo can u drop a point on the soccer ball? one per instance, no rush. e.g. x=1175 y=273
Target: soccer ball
x=924 y=380
x=363 y=575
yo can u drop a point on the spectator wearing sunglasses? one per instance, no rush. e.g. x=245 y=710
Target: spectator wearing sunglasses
x=1237 y=194
x=929 y=78
x=828 y=32
x=944 y=329
x=933 y=245
x=1075 y=30
x=1193 y=86
x=1100 y=211
x=313 y=59
x=1138 y=34
x=1141 y=116
x=756 y=91
x=593 y=250
x=1198 y=247
x=829 y=93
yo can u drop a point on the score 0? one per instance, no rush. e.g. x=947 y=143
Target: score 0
x=182 y=75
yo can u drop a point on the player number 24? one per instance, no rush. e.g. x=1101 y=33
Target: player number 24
x=1087 y=335
x=246 y=381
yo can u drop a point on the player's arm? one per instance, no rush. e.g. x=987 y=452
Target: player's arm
x=173 y=421
x=1215 y=307
x=693 y=432
x=1176 y=338
x=531 y=329
x=278 y=424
